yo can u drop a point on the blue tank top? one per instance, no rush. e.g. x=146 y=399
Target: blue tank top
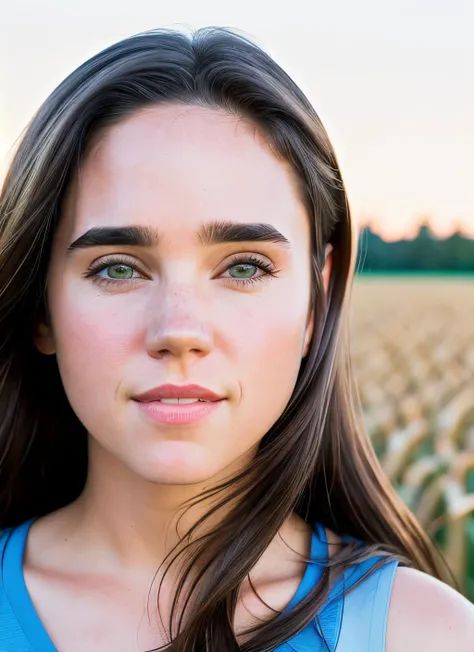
x=355 y=623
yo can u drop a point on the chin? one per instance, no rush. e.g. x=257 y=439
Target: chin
x=182 y=465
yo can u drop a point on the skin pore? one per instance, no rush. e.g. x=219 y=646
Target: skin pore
x=181 y=308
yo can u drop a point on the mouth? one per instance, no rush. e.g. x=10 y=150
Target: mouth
x=178 y=405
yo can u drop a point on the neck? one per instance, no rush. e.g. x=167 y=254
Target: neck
x=132 y=522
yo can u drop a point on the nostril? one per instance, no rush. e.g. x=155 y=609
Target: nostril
x=163 y=353
x=178 y=352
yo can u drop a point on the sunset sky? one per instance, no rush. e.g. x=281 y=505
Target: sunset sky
x=392 y=83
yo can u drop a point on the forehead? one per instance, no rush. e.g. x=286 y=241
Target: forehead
x=177 y=166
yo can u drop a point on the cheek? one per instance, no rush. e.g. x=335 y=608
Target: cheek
x=92 y=345
x=271 y=326
x=273 y=336
x=267 y=342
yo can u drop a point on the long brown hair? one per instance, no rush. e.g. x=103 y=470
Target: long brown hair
x=316 y=460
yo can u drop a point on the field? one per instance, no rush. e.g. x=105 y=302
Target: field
x=413 y=358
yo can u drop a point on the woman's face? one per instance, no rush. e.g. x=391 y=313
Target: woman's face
x=210 y=288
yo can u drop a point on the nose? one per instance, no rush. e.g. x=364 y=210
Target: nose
x=178 y=327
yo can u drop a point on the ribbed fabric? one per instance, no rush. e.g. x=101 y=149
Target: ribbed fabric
x=356 y=623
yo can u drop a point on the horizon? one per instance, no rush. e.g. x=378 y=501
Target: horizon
x=415 y=231
x=392 y=86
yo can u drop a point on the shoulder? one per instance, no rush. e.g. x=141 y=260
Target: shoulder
x=426 y=614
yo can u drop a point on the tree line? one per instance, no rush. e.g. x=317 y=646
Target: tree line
x=424 y=253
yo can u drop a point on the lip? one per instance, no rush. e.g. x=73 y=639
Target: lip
x=185 y=414
x=177 y=391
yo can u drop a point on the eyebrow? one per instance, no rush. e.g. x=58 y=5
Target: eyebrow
x=211 y=233
x=219 y=232
x=100 y=236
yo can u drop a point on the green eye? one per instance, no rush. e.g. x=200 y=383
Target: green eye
x=119 y=272
x=242 y=270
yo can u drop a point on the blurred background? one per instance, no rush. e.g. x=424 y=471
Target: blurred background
x=393 y=85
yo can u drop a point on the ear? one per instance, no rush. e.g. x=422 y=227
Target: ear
x=308 y=333
x=43 y=338
x=326 y=276
x=327 y=269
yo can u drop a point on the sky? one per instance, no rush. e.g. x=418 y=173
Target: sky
x=393 y=83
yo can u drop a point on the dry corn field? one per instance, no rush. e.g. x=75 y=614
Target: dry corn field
x=413 y=358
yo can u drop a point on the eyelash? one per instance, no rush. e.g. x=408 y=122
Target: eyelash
x=249 y=259
x=264 y=266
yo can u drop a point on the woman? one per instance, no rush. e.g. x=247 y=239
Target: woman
x=182 y=456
